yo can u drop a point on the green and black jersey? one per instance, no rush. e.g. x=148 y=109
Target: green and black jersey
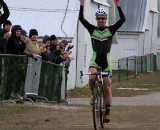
x=101 y=40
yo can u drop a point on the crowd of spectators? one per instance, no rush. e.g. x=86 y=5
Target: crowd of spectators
x=14 y=40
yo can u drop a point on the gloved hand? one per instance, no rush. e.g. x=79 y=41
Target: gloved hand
x=70 y=47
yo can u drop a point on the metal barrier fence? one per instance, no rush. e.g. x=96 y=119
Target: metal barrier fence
x=12 y=75
x=51 y=89
x=132 y=66
x=20 y=75
x=126 y=67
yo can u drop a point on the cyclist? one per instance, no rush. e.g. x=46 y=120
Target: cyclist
x=101 y=37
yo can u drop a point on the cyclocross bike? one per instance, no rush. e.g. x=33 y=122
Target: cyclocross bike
x=98 y=106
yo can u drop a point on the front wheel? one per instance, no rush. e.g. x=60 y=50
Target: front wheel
x=102 y=109
x=96 y=108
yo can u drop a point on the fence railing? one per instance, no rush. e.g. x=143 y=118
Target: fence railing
x=132 y=66
x=22 y=75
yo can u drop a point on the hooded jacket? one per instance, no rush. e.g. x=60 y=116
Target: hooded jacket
x=15 y=46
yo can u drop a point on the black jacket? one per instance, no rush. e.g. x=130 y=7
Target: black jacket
x=15 y=46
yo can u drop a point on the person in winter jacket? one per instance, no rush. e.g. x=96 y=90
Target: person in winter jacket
x=15 y=46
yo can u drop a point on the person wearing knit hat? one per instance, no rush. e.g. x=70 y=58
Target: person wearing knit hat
x=33 y=32
x=54 y=45
x=46 y=38
x=23 y=37
x=33 y=47
x=23 y=32
x=16 y=31
x=46 y=42
x=53 y=37
x=14 y=45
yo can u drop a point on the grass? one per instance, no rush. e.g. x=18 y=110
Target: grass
x=29 y=117
x=20 y=112
x=149 y=81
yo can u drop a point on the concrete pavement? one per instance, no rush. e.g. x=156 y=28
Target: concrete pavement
x=152 y=99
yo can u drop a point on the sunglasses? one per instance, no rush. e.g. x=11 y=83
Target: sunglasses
x=100 y=18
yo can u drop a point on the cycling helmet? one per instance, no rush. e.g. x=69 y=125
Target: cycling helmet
x=101 y=12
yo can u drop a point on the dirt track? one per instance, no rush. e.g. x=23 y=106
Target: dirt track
x=130 y=113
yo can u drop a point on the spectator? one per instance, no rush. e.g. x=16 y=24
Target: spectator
x=7 y=26
x=33 y=48
x=24 y=39
x=66 y=59
x=46 y=44
x=5 y=35
x=53 y=42
x=23 y=35
x=15 y=46
x=63 y=45
x=54 y=49
x=6 y=13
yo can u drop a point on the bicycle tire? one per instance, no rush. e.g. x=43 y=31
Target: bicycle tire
x=102 y=109
x=96 y=108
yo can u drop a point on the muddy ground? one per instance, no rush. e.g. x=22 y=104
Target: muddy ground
x=129 y=113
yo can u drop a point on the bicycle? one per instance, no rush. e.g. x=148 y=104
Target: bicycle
x=98 y=107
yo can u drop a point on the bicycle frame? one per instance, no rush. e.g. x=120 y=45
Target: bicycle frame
x=98 y=107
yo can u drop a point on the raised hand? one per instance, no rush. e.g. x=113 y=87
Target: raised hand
x=81 y=2
x=117 y=2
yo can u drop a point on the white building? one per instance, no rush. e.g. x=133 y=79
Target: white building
x=138 y=35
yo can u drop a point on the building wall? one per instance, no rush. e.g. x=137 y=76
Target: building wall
x=158 y=18
x=151 y=33
x=137 y=44
x=158 y=29
x=127 y=46
x=158 y=45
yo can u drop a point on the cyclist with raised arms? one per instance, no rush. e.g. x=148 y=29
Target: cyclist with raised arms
x=101 y=37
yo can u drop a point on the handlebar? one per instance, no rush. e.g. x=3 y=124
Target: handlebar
x=100 y=73
x=96 y=73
